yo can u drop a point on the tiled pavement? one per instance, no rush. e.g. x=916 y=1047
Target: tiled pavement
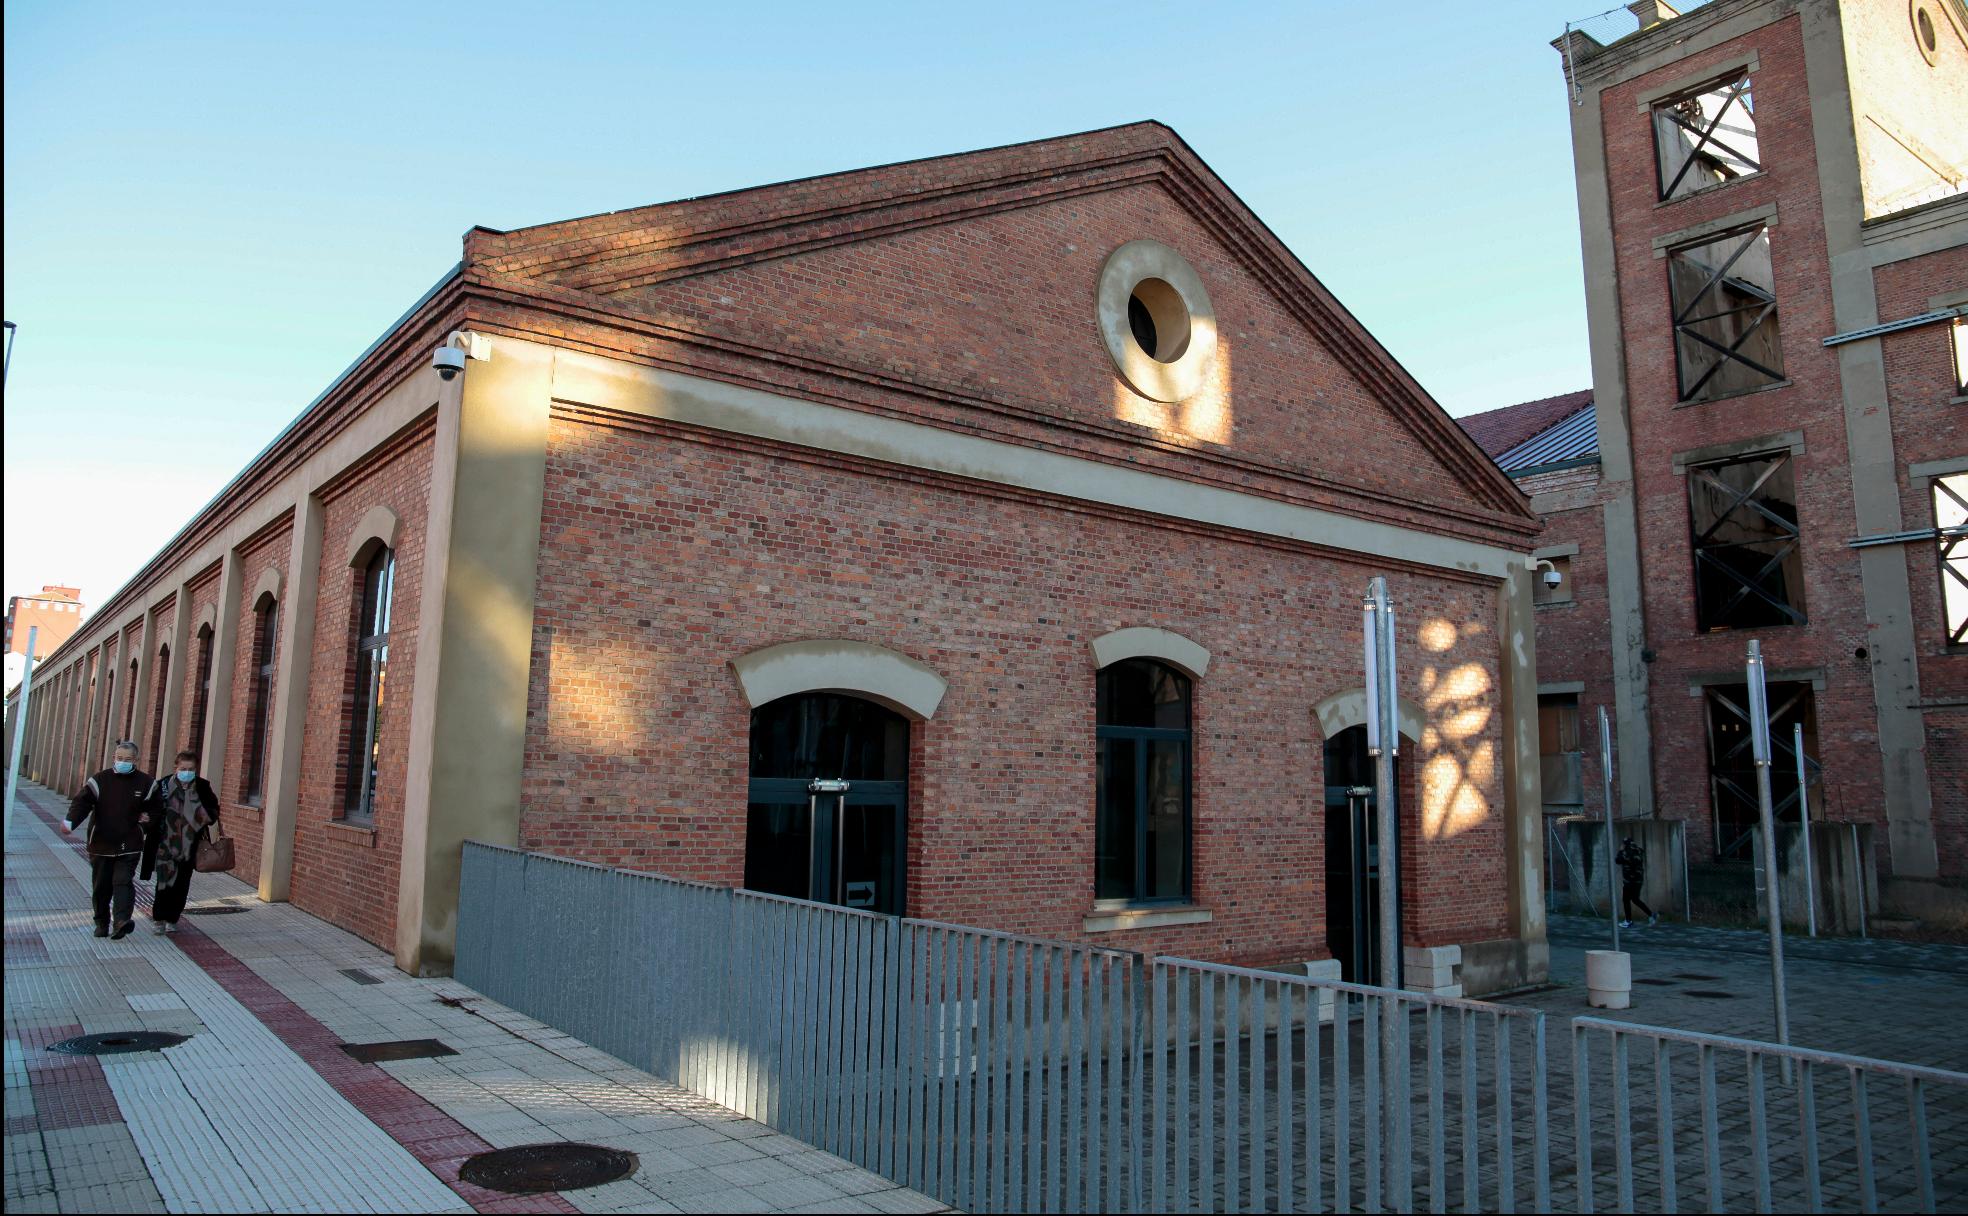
x=261 y=1111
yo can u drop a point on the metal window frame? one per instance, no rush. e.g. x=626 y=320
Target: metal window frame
x=1140 y=813
x=1740 y=83
x=359 y=797
x=1683 y=320
x=1699 y=548
x=1783 y=757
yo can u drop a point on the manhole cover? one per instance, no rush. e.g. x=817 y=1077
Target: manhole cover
x=532 y=1168
x=401 y=1049
x=118 y=1042
x=1655 y=982
x=1690 y=975
x=214 y=910
x=1709 y=994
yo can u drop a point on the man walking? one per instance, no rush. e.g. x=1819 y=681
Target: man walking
x=1632 y=861
x=115 y=803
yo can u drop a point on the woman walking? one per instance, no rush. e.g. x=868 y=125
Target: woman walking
x=183 y=808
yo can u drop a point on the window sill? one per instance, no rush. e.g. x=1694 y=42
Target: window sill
x=1147 y=916
x=1961 y=400
x=1706 y=191
x=362 y=834
x=1748 y=392
x=250 y=808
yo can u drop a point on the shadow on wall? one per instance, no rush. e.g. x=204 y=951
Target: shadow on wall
x=1461 y=766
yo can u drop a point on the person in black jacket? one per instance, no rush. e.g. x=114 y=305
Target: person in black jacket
x=115 y=804
x=183 y=809
x=1632 y=861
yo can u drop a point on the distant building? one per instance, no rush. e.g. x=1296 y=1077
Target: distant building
x=1773 y=199
x=56 y=613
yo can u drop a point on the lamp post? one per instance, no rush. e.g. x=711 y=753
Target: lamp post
x=20 y=720
x=1383 y=744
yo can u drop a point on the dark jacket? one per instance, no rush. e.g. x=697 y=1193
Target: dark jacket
x=1632 y=861
x=110 y=803
x=160 y=811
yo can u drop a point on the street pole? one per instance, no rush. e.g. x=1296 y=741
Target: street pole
x=20 y=727
x=7 y=365
x=1383 y=744
x=1759 y=741
x=1804 y=820
x=1606 y=775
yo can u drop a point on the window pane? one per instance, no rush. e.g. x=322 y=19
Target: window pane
x=1113 y=837
x=1725 y=316
x=1142 y=692
x=1749 y=567
x=1706 y=138
x=1168 y=846
x=827 y=735
x=778 y=848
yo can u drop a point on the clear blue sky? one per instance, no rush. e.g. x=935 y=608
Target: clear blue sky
x=212 y=208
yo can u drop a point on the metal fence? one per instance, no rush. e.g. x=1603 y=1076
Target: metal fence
x=1761 y=1143
x=1003 y=1073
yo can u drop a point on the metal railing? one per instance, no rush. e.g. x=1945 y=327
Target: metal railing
x=1005 y=1073
x=1740 y=1125
x=1274 y=1092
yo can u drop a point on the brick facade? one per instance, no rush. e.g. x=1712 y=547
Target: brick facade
x=244 y=815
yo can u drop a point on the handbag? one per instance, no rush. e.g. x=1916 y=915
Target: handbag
x=214 y=854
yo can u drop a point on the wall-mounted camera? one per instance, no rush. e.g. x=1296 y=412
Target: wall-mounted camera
x=449 y=359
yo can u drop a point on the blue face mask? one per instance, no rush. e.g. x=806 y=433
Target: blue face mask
x=125 y=766
x=186 y=775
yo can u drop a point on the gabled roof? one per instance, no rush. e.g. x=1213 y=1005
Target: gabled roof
x=605 y=264
x=1498 y=431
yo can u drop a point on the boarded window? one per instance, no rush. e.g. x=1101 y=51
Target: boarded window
x=1560 y=752
x=1732 y=760
x=1951 y=524
x=1706 y=136
x=1725 y=315
x=1749 y=567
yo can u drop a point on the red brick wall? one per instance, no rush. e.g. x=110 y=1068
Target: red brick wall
x=269 y=551
x=157 y=678
x=1812 y=402
x=1572 y=635
x=341 y=874
x=664 y=556
x=201 y=593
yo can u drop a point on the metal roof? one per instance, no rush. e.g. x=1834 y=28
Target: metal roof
x=1576 y=439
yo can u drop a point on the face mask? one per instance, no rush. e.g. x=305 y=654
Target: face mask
x=186 y=774
x=125 y=766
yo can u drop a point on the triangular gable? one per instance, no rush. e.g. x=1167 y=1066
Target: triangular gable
x=970 y=272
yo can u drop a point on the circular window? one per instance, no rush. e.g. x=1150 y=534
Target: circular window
x=1926 y=34
x=1156 y=320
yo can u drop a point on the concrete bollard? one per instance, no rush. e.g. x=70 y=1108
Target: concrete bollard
x=1608 y=979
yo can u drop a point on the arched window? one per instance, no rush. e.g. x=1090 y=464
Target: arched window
x=828 y=800
x=1142 y=794
x=129 y=704
x=201 y=697
x=109 y=705
x=374 y=591
x=157 y=710
x=259 y=730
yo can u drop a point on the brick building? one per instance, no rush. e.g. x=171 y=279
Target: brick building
x=981 y=538
x=55 y=613
x=1773 y=199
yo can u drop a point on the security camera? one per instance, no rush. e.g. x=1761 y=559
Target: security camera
x=1552 y=578
x=448 y=361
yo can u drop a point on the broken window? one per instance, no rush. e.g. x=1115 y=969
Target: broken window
x=1951 y=528
x=1732 y=759
x=1749 y=570
x=1706 y=137
x=1725 y=315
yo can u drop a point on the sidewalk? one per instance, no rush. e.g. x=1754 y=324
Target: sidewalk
x=261 y=1110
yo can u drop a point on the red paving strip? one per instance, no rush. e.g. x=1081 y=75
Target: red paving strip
x=69 y=1091
x=434 y=1138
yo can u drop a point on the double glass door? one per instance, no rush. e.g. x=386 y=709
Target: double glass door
x=827 y=819
x=1352 y=858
